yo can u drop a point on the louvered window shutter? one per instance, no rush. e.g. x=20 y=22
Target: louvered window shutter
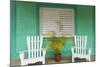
x=61 y=21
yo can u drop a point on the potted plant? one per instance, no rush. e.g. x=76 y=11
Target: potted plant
x=57 y=43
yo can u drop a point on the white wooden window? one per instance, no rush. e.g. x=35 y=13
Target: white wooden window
x=59 y=20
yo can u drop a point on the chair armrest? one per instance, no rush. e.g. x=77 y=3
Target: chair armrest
x=23 y=51
x=44 y=51
x=73 y=50
x=21 y=55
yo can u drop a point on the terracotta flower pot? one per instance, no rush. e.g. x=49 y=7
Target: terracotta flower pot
x=58 y=57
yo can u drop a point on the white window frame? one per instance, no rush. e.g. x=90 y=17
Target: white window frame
x=73 y=22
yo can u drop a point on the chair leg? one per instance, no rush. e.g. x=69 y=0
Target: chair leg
x=43 y=61
x=89 y=59
x=72 y=59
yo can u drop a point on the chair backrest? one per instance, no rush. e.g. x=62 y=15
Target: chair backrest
x=34 y=44
x=80 y=44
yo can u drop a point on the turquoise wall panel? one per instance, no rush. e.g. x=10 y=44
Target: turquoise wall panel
x=85 y=24
x=26 y=23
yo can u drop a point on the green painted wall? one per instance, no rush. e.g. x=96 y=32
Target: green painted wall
x=13 y=30
x=85 y=24
x=27 y=23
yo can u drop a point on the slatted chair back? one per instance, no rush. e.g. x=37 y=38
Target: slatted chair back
x=80 y=44
x=34 y=44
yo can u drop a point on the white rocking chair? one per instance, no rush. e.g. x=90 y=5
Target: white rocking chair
x=79 y=50
x=35 y=51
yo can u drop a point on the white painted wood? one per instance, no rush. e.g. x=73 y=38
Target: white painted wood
x=79 y=50
x=82 y=45
x=41 y=40
x=35 y=51
x=32 y=46
x=28 y=45
x=89 y=51
x=38 y=46
x=35 y=46
x=22 y=57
